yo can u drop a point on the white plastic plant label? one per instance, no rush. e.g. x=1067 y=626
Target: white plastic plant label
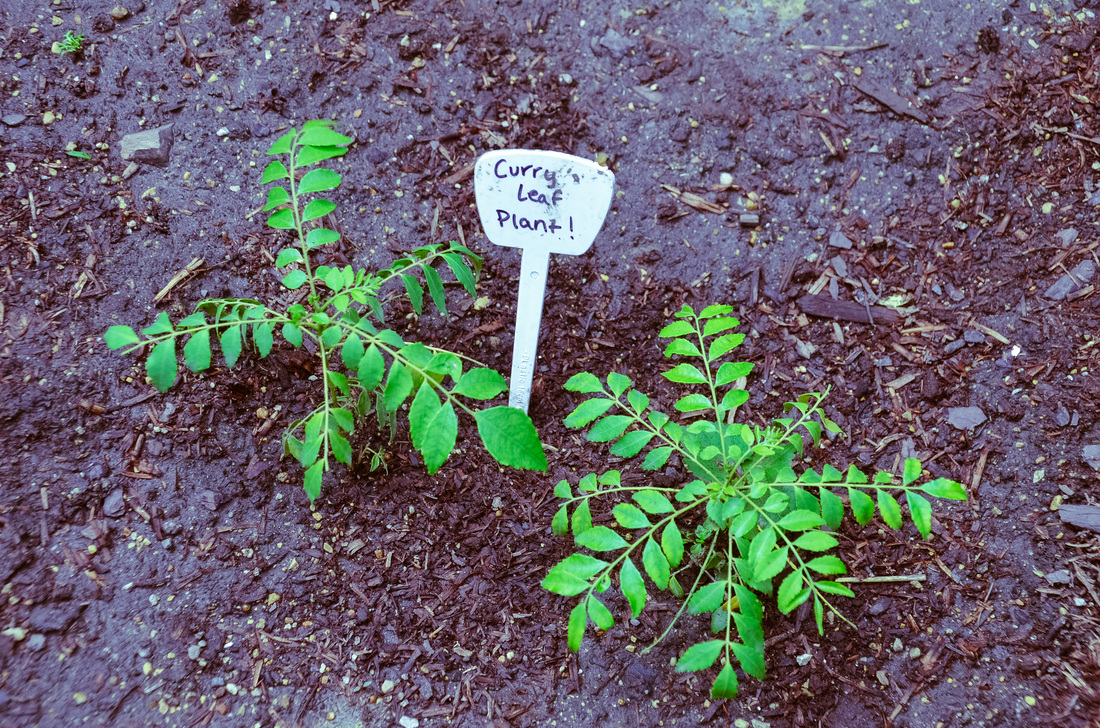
x=543 y=203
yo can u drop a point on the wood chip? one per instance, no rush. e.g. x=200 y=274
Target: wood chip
x=890 y=99
x=847 y=310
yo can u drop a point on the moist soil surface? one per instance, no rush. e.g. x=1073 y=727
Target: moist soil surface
x=885 y=192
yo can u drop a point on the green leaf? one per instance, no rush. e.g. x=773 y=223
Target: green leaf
x=676 y=328
x=341 y=448
x=761 y=544
x=731 y=371
x=314 y=154
x=292 y=334
x=79 y=155
x=433 y=428
x=294 y=279
x=682 y=347
x=744 y=523
x=275 y=196
x=609 y=428
x=163 y=325
x=700 y=656
x=832 y=508
x=855 y=476
x=196 y=353
x=725 y=685
x=940 y=488
x=316 y=209
x=321 y=135
x=791 y=592
x=815 y=541
x=827 y=565
x=831 y=587
x=629 y=515
x=692 y=403
x=275 y=170
x=921 y=512
x=801 y=520
x=770 y=564
x=312 y=482
x=371 y=367
x=587 y=411
x=231 y=343
x=653 y=501
x=632 y=443
x=317 y=237
x=161 y=365
x=480 y=384
x=563 y=490
x=672 y=543
x=685 y=374
x=288 y=256
x=723 y=345
x=655 y=563
x=889 y=509
x=656 y=458
x=863 y=508
x=415 y=292
x=435 y=288
x=600 y=614
x=399 y=386
x=352 y=352
x=120 y=336
x=462 y=273
x=718 y=325
x=571 y=576
x=911 y=471
x=578 y=620
x=261 y=335
x=343 y=419
x=281 y=219
x=510 y=437
x=633 y=587
x=318 y=180
x=715 y=309
x=282 y=144
x=618 y=383
x=707 y=598
x=582 y=518
x=560 y=523
x=601 y=538
x=584 y=383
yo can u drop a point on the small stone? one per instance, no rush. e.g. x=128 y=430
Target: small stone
x=209 y=500
x=1082 y=516
x=131 y=170
x=232 y=689
x=119 y=13
x=973 y=337
x=879 y=606
x=36 y=642
x=224 y=131
x=149 y=147
x=13 y=119
x=898 y=646
x=408 y=722
x=194 y=651
x=965 y=418
x=615 y=42
x=1061 y=576
x=840 y=240
x=114 y=505
x=1073 y=281
x=1091 y=454
x=48 y=118
x=725 y=178
x=803 y=660
x=1061 y=416
x=80 y=698
x=914 y=653
x=1067 y=236
x=680 y=132
x=565 y=79
x=217 y=682
x=46 y=618
x=388 y=686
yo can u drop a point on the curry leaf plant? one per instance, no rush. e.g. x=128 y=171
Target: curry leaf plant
x=339 y=317
x=749 y=524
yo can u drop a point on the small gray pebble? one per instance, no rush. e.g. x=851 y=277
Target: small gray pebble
x=194 y=651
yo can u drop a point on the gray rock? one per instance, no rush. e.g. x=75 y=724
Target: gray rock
x=13 y=119
x=1059 y=577
x=1081 y=516
x=615 y=42
x=1067 y=236
x=149 y=147
x=965 y=418
x=1075 y=280
x=36 y=642
x=879 y=606
x=974 y=337
x=193 y=652
x=1091 y=454
x=114 y=505
x=840 y=240
x=46 y=618
x=1061 y=416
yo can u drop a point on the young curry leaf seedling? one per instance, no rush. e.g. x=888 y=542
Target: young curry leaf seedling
x=747 y=525
x=363 y=366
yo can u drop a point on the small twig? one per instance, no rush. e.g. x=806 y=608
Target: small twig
x=187 y=270
x=888 y=579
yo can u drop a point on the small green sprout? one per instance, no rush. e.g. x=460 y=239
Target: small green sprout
x=72 y=43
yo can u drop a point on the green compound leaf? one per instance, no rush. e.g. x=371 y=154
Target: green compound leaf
x=609 y=428
x=261 y=335
x=578 y=620
x=312 y=483
x=433 y=428
x=588 y=411
x=801 y=520
x=911 y=471
x=731 y=372
x=435 y=289
x=571 y=576
x=628 y=515
x=317 y=237
x=700 y=656
x=352 y=352
x=708 y=598
x=318 y=180
x=672 y=543
x=656 y=458
x=161 y=365
x=196 y=353
x=275 y=170
x=676 y=328
x=863 y=508
x=889 y=509
x=316 y=209
x=600 y=614
x=231 y=344
x=414 y=291
x=815 y=541
x=563 y=489
x=653 y=501
x=339 y=381
x=371 y=367
x=584 y=383
x=632 y=443
x=832 y=508
x=294 y=279
x=920 y=510
x=399 y=386
x=792 y=592
x=633 y=587
x=655 y=563
x=600 y=538
x=685 y=374
x=725 y=685
x=827 y=565
x=855 y=475
x=480 y=384
x=510 y=437
x=120 y=336
x=275 y=196
x=940 y=488
x=281 y=219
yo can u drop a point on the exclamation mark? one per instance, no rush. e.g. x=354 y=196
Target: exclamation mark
x=571 y=228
